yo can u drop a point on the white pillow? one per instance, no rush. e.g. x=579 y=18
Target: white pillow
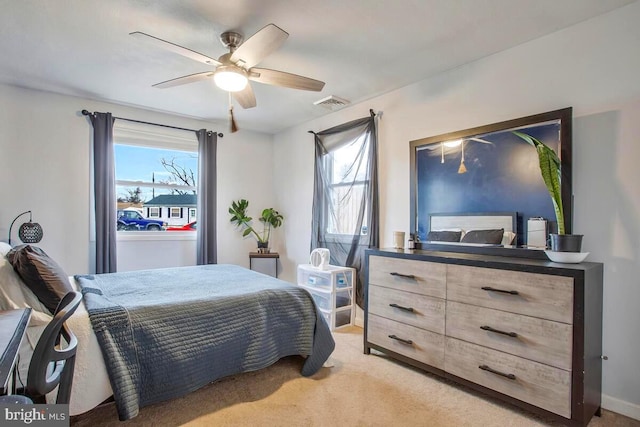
x=15 y=294
x=4 y=249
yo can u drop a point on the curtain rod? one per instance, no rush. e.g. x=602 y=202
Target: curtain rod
x=88 y=113
x=373 y=114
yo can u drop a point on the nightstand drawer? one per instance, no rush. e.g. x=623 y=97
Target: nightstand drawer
x=532 y=294
x=535 y=383
x=416 y=310
x=536 y=339
x=419 y=277
x=418 y=344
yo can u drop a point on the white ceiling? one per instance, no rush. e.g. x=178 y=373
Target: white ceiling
x=359 y=48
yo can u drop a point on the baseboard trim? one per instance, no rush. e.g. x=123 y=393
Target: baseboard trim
x=621 y=407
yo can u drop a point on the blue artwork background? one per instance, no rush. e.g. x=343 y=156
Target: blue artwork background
x=503 y=176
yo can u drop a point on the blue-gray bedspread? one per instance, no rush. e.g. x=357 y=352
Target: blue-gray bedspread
x=167 y=332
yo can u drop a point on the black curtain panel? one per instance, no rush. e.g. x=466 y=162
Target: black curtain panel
x=206 y=216
x=345 y=200
x=104 y=192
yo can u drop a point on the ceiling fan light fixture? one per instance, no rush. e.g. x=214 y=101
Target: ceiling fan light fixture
x=454 y=143
x=230 y=78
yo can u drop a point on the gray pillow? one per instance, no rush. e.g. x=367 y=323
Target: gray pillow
x=484 y=236
x=46 y=279
x=444 y=236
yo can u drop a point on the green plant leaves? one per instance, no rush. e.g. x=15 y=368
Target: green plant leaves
x=550 y=171
x=272 y=217
x=269 y=217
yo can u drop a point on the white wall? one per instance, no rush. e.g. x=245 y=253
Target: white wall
x=593 y=67
x=156 y=250
x=45 y=167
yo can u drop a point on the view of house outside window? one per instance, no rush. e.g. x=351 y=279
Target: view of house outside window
x=348 y=181
x=155 y=187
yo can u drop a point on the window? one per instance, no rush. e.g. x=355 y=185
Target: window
x=192 y=215
x=348 y=181
x=345 y=195
x=156 y=173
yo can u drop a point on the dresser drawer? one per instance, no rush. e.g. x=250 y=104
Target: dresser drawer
x=536 y=339
x=539 y=295
x=425 y=346
x=416 y=310
x=419 y=277
x=540 y=385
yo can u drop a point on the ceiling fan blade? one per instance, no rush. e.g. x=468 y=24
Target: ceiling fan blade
x=191 y=78
x=246 y=98
x=259 y=46
x=192 y=54
x=280 y=78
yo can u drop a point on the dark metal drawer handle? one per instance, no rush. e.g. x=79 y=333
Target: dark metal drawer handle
x=406 y=276
x=401 y=307
x=493 y=371
x=498 y=331
x=408 y=342
x=489 y=288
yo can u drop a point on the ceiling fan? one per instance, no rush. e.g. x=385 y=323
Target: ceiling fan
x=234 y=69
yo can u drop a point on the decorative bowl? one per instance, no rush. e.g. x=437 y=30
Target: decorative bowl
x=567 y=257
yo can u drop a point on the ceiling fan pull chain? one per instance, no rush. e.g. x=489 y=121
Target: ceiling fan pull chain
x=232 y=123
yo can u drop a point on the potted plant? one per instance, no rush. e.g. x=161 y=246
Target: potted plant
x=270 y=218
x=550 y=171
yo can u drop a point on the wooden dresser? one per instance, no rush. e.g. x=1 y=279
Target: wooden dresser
x=526 y=331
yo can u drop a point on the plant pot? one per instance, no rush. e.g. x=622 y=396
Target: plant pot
x=263 y=247
x=566 y=242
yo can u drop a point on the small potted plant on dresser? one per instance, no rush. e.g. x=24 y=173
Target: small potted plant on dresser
x=270 y=218
x=565 y=247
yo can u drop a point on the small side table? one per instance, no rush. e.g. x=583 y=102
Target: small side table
x=264 y=263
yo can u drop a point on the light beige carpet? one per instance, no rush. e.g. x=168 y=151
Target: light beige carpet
x=359 y=390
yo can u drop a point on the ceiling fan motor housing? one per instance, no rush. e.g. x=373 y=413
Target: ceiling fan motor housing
x=231 y=39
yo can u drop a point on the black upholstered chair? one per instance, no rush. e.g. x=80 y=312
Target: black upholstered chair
x=53 y=359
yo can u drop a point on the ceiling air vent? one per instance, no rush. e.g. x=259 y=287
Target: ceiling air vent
x=331 y=102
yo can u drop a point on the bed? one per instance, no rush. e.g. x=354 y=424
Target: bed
x=148 y=343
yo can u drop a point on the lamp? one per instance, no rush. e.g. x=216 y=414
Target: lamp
x=29 y=232
x=230 y=78
x=453 y=143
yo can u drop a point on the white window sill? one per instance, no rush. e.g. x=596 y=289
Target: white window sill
x=165 y=236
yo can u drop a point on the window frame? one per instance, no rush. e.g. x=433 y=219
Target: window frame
x=154 y=212
x=331 y=185
x=146 y=136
